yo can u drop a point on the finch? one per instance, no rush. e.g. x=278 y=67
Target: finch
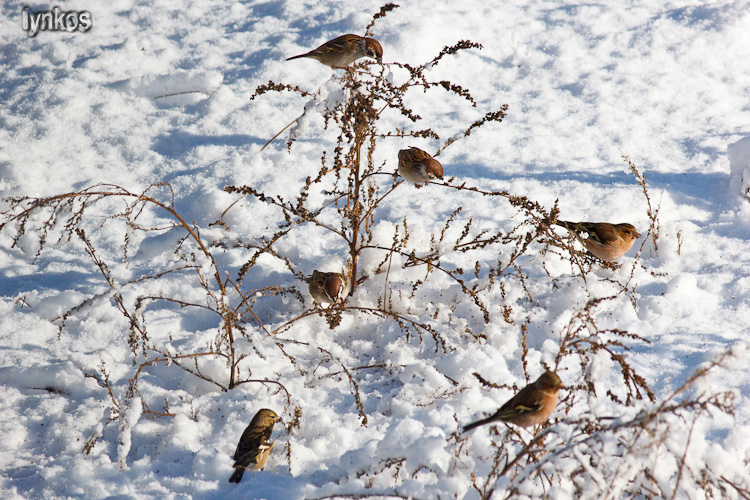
x=328 y=287
x=605 y=241
x=531 y=406
x=344 y=50
x=417 y=166
x=255 y=446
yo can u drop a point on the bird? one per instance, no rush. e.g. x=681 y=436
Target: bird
x=344 y=50
x=417 y=166
x=605 y=241
x=255 y=445
x=328 y=287
x=531 y=406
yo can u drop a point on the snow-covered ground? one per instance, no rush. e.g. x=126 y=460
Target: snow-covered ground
x=666 y=84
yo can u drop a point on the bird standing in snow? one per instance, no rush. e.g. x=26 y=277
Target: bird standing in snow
x=255 y=446
x=344 y=50
x=605 y=241
x=417 y=166
x=328 y=287
x=531 y=406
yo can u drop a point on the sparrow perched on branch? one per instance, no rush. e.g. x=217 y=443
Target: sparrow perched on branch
x=417 y=166
x=328 y=287
x=532 y=405
x=344 y=50
x=605 y=241
x=255 y=446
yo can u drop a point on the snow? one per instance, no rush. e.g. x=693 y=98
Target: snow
x=160 y=93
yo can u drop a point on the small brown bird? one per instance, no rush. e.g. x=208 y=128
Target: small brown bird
x=254 y=447
x=531 y=406
x=605 y=241
x=417 y=166
x=344 y=50
x=328 y=287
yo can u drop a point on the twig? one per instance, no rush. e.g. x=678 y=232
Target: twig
x=275 y=136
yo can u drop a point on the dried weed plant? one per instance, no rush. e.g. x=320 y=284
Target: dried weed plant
x=614 y=453
x=350 y=180
x=62 y=218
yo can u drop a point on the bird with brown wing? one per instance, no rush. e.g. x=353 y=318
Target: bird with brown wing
x=344 y=50
x=531 y=406
x=255 y=445
x=605 y=241
x=328 y=287
x=418 y=167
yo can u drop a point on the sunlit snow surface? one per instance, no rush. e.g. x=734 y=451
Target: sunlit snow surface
x=665 y=83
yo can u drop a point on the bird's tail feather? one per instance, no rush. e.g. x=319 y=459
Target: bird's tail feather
x=476 y=424
x=237 y=476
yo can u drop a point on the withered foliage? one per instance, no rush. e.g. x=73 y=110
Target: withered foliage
x=615 y=452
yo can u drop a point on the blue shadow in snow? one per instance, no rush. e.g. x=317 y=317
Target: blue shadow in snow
x=246 y=65
x=710 y=18
x=706 y=190
x=178 y=142
x=13 y=286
